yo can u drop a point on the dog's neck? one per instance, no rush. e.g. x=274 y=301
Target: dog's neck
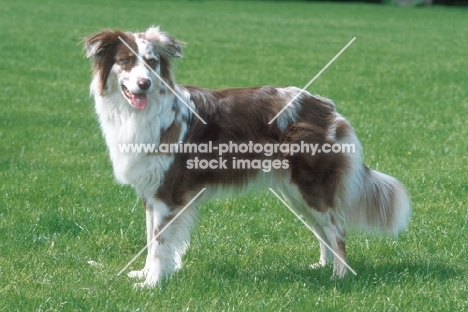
x=122 y=125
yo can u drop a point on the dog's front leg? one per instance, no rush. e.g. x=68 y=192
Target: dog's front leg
x=140 y=274
x=168 y=240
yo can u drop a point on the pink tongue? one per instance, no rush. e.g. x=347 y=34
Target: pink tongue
x=139 y=100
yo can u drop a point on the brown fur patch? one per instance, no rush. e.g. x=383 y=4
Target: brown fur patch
x=341 y=248
x=165 y=68
x=237 y=115
x=242 y=115
x=172 y=134
x=316 y=176
x=343 y=129
x=109 y=49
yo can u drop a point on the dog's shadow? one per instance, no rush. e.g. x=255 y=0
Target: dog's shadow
x=367 y=275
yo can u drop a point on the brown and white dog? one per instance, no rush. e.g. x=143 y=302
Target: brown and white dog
x=332 y=190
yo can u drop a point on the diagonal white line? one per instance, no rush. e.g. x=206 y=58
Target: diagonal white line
x=162 y=80
x=160 y=232
x=310 y=82
x=312 y=230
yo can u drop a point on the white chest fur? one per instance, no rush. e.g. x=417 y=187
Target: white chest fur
x=123 y=127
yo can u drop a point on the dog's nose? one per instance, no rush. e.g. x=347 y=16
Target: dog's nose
x=143 y=83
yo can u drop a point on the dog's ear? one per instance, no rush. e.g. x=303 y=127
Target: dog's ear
x=98 y=44
x=95 y=43
x=164 y=43
x=174 y=47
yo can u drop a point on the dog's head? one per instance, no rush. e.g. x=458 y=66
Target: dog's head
x=132 y=62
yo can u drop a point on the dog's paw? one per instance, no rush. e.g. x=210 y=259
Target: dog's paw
x=317 y=265
x=152 y=275
x=339 y=271
x=136 y=274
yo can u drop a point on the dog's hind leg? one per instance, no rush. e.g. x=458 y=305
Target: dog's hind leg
x=337 y=237
x=331 y=232
x=325 y=254
x=326 y=225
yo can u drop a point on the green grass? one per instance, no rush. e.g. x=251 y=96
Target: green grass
x=402 y=84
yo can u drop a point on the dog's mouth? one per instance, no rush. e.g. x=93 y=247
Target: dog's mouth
x=137 y=100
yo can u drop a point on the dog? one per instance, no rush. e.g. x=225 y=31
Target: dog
x=138 y=102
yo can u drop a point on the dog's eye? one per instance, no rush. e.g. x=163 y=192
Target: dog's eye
x=151 y=62
x=125 y=60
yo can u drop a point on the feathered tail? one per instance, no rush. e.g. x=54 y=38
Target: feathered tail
x=382 y=205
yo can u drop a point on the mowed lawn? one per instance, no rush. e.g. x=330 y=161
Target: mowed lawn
x=402 y=84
